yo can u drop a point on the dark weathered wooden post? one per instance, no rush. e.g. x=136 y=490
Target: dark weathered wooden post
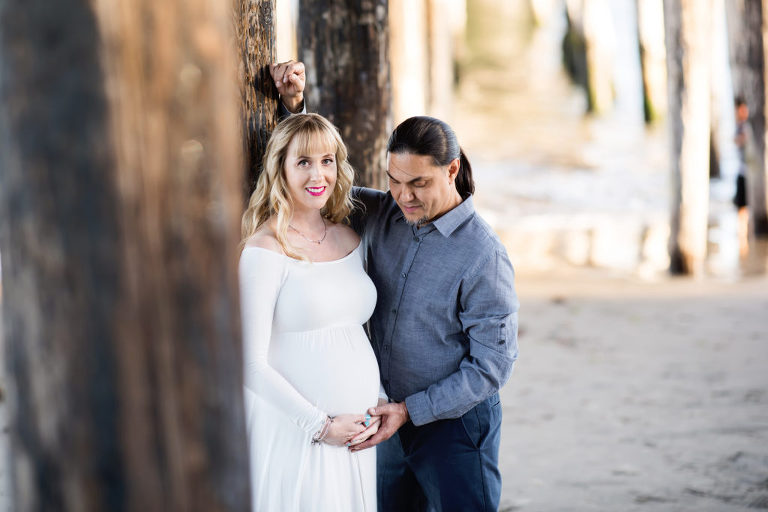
x=344 y=46
x=119 y=203
x=687 y=25
x=747 y=41
x=255 y=27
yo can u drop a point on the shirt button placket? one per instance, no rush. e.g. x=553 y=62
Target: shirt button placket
x=387 y=345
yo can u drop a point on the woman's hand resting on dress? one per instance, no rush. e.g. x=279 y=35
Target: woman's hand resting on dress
x=368 y=432
x=344 y=428
x=373 y=427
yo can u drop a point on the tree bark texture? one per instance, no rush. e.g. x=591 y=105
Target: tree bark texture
x=687 y=25
x=344 y=46
x=650 y=29
x=747 y=37
x=119 y=205
x=255 y=29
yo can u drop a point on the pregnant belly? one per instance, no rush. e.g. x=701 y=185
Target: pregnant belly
x=334 y=368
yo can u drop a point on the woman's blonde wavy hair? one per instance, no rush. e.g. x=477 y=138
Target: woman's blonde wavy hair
x=314 y=134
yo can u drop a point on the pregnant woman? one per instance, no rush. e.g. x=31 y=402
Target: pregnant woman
x=310 y=372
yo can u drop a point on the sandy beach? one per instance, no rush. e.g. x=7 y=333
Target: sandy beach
x=637 y=396
x=632 y=396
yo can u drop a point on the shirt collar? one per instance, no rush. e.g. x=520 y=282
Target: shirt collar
x=451 y=220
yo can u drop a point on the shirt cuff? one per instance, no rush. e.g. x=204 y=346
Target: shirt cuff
x=283 y=112
x=418 y=409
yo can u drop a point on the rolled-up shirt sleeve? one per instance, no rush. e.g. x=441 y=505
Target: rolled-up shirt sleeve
x=284 y=113
x=487 y=309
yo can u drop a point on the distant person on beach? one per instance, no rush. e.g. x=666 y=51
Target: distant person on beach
x=740 y=198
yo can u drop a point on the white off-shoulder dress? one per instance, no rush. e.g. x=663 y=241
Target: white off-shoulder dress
x=306 y=357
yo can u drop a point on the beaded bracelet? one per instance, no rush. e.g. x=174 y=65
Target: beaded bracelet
x=321 y=434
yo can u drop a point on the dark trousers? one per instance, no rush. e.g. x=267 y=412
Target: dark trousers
x=447 y=465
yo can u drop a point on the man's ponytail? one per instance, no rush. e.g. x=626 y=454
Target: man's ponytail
x=465 y=184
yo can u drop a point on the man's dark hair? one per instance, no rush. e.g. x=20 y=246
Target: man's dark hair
x=427 y=136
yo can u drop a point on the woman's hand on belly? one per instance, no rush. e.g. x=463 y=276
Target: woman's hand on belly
x=373 y=424
x=363 y=436
x=344 y=428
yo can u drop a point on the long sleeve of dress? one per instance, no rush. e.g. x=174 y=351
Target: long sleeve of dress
x=261 y=275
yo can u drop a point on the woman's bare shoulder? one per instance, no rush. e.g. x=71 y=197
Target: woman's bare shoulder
x=346 y=237
x=264 y=238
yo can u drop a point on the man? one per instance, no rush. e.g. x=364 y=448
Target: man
x=444 y=329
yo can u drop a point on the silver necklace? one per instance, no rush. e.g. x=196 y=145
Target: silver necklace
x=318 y=242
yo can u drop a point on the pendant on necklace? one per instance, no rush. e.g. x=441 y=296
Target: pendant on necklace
x=302 y=235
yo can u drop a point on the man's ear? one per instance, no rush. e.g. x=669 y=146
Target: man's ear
x=453 y=169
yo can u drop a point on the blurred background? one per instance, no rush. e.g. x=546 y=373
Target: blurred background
x=635 y=389
x=605 y=159
x=563 y=109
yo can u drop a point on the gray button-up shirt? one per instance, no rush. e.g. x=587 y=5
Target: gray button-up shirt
x=445 y=325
